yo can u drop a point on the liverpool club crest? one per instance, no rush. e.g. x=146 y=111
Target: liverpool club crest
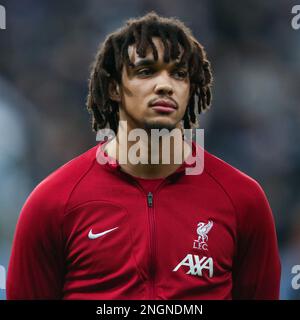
x=202 y=231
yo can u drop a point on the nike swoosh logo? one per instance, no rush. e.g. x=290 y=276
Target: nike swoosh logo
x=93 y=236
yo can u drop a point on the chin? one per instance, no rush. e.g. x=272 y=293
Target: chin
x=159 y=125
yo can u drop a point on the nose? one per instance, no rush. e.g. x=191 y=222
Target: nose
x=163 y=87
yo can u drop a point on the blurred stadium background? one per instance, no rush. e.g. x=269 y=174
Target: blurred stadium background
x=254 y=122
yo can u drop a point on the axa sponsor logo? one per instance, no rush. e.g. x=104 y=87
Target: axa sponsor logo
x=202 y=231
x=196 y=266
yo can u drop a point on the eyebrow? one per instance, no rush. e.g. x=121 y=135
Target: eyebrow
x=149 y=62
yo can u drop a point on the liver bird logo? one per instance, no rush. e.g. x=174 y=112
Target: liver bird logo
x=202 y=231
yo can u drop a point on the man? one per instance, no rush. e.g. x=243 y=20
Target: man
x=102 y=228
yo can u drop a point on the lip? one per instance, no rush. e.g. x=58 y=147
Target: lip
x=163 y=109
x=162 y=105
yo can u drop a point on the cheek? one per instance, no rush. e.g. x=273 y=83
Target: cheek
x=136 y=93
x=184 y=93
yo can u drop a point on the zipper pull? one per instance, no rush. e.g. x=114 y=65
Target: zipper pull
x=150 y=199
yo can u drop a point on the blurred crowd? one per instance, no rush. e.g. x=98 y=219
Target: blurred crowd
x=45 y=57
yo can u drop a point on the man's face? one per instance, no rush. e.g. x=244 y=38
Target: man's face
x=153 y=94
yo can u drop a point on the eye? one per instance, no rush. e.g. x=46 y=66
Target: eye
x=144 y=71
x=181 y=74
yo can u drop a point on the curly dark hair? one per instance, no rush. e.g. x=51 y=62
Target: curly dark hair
x=113 y=53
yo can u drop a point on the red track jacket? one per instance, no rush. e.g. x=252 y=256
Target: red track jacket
x=92 y=231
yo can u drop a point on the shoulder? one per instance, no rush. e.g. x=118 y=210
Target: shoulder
x=51 y=195
x=244 y=192
x=253 y=212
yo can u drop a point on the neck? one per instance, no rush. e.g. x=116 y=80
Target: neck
x=150 y=156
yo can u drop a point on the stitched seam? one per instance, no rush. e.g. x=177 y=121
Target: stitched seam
x=233 y=205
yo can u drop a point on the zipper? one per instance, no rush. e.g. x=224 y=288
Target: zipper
x=150 y=207
x=150 y=199
x=152 y=245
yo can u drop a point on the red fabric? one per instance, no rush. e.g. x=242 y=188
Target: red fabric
x=149 y=185
x=53 y=257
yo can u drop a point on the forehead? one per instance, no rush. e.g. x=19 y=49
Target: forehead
x=134 y=57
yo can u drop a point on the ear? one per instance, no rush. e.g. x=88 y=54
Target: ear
x=114 y=91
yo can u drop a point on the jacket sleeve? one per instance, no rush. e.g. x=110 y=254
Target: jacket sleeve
x=257 y=269
x=35 y=268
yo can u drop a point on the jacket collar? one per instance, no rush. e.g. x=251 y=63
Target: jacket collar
x=112 y=164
